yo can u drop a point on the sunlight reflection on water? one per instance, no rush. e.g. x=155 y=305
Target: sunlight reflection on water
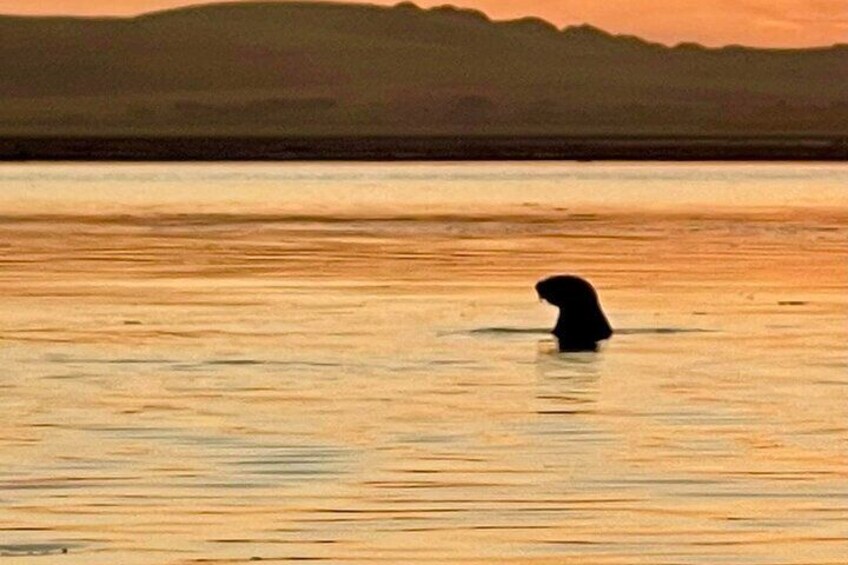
x=203 y=364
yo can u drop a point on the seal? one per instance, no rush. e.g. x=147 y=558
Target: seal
x=582 y=323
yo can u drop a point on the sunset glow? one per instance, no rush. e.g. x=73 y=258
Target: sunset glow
x=767 y=23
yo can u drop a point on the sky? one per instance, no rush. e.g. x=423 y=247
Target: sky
x=764 y=23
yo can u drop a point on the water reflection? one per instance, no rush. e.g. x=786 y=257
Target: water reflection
x=285 y=380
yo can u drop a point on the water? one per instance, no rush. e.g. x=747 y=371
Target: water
x=347 y=363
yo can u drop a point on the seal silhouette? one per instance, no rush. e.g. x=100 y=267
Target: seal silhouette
x=582 y=323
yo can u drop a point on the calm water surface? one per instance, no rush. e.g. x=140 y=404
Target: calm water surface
x=348 y=364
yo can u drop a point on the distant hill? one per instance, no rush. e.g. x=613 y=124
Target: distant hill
x=323 y=68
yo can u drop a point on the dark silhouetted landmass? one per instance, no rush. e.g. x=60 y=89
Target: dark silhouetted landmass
x=318 y=70
x=423 y=148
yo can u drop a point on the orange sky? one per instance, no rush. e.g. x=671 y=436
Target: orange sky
x=790 y=23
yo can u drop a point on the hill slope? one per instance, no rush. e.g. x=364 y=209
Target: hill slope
x=306 y=68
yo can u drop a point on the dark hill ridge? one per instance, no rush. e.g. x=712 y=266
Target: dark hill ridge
x=348 y=69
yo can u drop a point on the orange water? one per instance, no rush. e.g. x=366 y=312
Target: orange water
x=347 y=363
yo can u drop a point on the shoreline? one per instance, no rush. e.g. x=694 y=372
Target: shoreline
x=827 y=148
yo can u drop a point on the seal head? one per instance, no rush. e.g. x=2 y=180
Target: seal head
x=582 y=323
